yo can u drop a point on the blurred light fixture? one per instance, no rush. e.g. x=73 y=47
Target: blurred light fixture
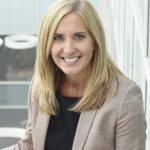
x=1 y=42
x=11 y=132
x=20 y=41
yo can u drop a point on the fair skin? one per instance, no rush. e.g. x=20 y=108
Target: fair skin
x=72 y=51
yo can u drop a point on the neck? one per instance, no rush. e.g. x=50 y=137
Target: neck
x=73 y=85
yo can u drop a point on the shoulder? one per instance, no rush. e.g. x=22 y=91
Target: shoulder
x=127 y=88
x=127 y=96
x=129 y=100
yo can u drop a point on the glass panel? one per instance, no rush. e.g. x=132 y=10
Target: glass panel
x=149 y=35
x=96 y=4
x=17 y=16
x=148 y=116
x=6 y=142
x=4 y=25
x=13 y=95
x=141 y=4
x=139 y=70
x=120 y=36
x=42 y=6
x=129 y=35
x=16 y=65
x=11 y=118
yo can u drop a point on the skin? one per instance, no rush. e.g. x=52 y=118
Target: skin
x=72 y=51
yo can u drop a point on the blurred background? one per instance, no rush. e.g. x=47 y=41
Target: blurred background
x=127 y=29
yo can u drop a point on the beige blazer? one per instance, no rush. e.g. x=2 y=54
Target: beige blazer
x=118 y=125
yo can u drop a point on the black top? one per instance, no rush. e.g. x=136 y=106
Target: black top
x=62 y=128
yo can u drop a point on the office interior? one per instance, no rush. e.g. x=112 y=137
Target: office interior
x=127 y=29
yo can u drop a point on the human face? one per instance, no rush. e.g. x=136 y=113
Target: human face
x=72 y=48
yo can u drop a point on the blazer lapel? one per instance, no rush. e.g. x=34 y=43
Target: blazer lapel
x=41 y=130
x=83 y=128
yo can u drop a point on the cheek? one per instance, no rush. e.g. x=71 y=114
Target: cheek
x=54 y=50
x=90 y=43
x=90 y=50
x=54 y=54
x=89 y=47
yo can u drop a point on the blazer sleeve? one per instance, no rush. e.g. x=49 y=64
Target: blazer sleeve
x=131 y=123
x=26 y=142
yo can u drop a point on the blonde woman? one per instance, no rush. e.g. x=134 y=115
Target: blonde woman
x=78 y=98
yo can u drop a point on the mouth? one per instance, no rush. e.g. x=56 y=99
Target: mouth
x=71 y=59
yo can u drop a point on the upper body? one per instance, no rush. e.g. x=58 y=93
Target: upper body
x=118 y=125
x=72 y=58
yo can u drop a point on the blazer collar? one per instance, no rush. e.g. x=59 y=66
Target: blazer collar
x=41 y=130
x=83 y=128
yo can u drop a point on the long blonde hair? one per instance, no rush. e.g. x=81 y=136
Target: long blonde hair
x=47 y=75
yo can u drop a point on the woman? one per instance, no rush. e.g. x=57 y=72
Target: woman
x=78 y=99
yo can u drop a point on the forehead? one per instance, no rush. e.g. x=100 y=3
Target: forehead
x=71 y=22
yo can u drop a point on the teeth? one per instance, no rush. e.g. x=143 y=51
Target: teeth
x=73 y=59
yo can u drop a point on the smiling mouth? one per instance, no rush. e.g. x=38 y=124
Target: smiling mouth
x=71 y=59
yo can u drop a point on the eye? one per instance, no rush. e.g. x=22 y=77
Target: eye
x=79 y=36
x=58 y=37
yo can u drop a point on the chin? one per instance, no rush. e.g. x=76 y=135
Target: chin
x=70 y=73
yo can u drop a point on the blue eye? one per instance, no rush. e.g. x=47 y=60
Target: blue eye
x=79 y=37
x=58 y=37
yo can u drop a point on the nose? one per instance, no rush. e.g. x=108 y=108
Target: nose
x=68 y=48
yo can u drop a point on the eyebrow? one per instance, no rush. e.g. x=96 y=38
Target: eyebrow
x=74 y=33
x=57 y=34
x=79 y=33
